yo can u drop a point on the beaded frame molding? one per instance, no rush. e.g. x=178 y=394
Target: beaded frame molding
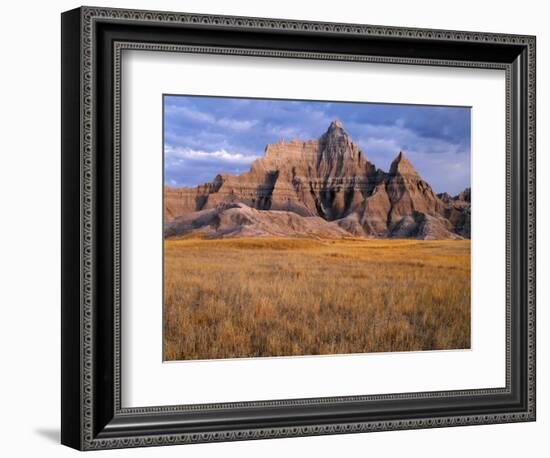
x=93 y=40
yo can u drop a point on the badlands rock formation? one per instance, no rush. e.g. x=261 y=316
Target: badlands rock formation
x=319 y=188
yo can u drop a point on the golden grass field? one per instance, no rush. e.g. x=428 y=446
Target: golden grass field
x=280 y=296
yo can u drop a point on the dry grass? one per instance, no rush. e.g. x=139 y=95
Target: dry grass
x=278 y=297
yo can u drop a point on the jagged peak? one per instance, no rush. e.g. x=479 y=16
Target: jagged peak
x=335 y=145
x=336 y=134
x=336 y=127
x=464 y=195
x=402 y=166
x=336 y=124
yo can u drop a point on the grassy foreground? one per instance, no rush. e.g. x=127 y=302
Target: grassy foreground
x=279 y=297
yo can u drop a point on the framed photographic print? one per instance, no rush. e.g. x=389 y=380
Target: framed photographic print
x=276 y=228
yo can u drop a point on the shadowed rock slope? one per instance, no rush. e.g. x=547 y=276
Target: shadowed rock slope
x=322 y=188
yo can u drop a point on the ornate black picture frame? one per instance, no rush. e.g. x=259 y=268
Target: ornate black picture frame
x=92 y=42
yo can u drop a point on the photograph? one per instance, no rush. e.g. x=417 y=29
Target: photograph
x=266 y=230
x=314 y=227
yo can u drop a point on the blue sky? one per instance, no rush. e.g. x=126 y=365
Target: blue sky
x=204 y=136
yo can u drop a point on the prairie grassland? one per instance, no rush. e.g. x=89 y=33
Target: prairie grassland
x=253 y=297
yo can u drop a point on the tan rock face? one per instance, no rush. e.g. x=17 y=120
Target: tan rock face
x=457 y=211
x=329 y=179
x=408 y=192
x=239 y=220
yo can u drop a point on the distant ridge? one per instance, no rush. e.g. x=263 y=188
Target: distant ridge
x=323 y=188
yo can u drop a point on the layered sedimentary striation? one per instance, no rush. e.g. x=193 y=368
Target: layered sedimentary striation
x=326 y=188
